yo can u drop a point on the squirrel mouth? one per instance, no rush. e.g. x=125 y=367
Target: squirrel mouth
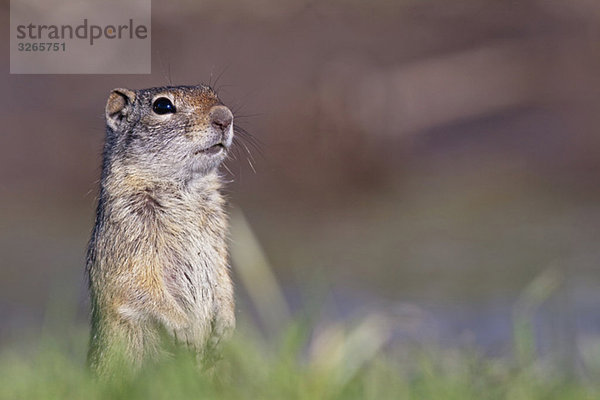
x=214 y=149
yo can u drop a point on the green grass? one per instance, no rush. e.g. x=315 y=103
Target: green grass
x=340 y=364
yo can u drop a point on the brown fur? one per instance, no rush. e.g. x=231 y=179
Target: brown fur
x=157 y=259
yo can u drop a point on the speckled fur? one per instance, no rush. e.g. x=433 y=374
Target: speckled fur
x=157 y=260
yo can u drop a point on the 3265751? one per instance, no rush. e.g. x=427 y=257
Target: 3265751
x=41 y=46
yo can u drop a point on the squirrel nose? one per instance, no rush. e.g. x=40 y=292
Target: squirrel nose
x=220 y=118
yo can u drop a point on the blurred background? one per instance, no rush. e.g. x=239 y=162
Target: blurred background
x=433 y=162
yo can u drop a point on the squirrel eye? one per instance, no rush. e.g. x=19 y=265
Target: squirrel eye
x=162 y=105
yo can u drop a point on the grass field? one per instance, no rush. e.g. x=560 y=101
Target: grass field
x=301 y=356
x=343 y=363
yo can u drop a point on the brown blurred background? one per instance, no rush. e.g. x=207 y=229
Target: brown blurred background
x=426 y=158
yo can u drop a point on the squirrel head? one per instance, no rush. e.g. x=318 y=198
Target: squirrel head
x=176 y=132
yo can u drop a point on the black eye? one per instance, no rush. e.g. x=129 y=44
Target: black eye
x=162 y=105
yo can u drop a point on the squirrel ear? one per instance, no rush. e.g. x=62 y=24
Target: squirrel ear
x=118 y=106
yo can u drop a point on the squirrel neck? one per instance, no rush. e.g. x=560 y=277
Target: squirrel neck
x=129 y=190
x=123 y=179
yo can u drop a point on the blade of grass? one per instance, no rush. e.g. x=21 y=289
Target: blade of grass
x=257 y=276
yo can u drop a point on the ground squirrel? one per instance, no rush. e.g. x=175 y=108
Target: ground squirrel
x=157 y=259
